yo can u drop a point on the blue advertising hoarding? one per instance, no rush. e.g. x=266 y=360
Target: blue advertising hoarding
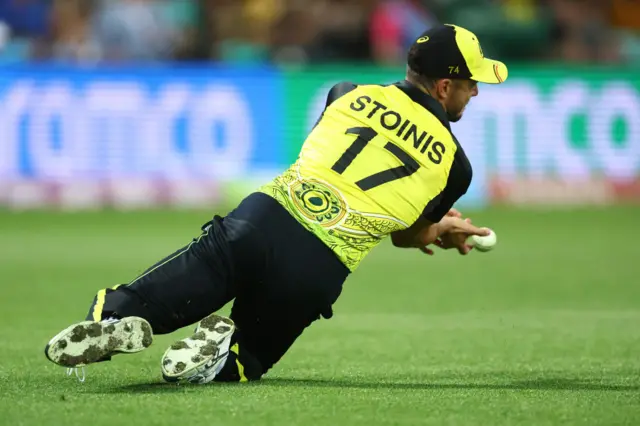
x=169 y=123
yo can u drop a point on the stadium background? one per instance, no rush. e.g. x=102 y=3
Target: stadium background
x=125 y=124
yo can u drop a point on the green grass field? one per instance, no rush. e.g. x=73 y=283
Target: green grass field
x=545 y=330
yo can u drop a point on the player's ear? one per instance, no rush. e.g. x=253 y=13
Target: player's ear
x=443 y=87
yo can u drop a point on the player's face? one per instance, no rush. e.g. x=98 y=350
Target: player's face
x=459 y=94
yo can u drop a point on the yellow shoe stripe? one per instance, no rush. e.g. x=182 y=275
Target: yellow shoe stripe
x=97 y=309
x=236 y=350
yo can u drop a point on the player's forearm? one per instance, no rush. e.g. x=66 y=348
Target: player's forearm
x=403 y=240
x=418 y=235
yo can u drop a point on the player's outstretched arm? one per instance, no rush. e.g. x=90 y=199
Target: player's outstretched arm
x=423 y=232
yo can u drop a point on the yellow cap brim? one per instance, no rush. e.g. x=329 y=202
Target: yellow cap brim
x=490 y=71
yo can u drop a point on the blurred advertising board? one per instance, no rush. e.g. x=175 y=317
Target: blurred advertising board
x=135 y=136
x=195 y=136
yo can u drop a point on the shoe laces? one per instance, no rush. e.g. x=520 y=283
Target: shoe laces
x=79 y=372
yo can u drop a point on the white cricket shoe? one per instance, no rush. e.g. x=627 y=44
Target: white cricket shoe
x=200 y=357
x=87 y=342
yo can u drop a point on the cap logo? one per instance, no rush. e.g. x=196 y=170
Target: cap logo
x=454 y=69
x=423 y=39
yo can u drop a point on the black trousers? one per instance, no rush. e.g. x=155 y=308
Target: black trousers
x=280 y=276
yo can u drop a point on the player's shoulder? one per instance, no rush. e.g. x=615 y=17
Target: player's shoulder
x=343 y=87
x=340 y=89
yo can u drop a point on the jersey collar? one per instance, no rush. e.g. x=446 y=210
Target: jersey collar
x=424 y=100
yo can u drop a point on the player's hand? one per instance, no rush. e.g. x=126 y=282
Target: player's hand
x=425 y=249
x=457 y=225
x=454 y=213
x=453 y=232
x=455 y=240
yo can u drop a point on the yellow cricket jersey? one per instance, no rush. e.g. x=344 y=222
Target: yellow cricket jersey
x=378 y=158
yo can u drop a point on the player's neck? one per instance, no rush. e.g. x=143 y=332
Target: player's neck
x=426 y=90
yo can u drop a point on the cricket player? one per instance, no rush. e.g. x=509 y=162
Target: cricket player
x=381 y=161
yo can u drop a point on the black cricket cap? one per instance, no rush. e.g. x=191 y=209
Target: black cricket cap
x=450 y=51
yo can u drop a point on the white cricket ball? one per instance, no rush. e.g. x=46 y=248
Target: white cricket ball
x=484 y=244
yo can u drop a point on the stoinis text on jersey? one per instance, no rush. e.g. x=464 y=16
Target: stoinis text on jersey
x=392 y=120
